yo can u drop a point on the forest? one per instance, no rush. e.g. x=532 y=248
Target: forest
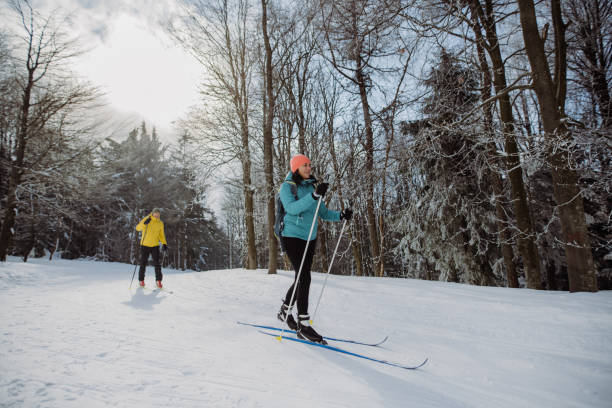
x=471 y=138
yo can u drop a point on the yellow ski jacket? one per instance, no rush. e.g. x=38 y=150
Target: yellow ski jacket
x=152 y=233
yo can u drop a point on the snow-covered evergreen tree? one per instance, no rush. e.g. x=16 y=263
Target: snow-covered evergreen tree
x=446 y=215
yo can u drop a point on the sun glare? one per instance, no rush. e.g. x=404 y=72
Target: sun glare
x=142 y=72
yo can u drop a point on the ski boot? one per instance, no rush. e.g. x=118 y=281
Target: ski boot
x=282 y=315
x=159 y=284
x=306 y=332
x=141 y=284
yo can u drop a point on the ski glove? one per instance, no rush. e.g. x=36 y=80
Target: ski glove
x=320 y=191
x=148 y=220
x=346 y=214
x=165 y=248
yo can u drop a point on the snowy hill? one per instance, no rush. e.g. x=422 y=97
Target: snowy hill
x=73 y=335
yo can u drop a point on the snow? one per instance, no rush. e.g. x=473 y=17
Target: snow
x=73 y=335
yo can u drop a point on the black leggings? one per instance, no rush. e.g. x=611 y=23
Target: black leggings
x=145 y=251
x=295 y=251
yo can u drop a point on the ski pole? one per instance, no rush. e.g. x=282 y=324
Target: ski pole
x=139 y=252
x=134 y=274
x=297 y=279
x=328 y=271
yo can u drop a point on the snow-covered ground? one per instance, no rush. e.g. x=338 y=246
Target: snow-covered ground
x=73 y=335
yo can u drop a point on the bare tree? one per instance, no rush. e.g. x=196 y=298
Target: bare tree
x=359 y=36
x=590 y=45
x=268 y=119
x=496 y=180
x=484 y=18
x=331 y=99
x=46 y=95
x=551 y=93
x=220 y=34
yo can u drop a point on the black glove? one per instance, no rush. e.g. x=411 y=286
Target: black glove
x=148 y=220
x=320 y=190
x=346 y=214
x=165 y=248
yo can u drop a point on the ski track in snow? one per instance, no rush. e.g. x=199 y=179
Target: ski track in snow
x=73 y=335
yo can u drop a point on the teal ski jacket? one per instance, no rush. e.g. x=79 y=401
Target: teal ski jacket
x=300 y=212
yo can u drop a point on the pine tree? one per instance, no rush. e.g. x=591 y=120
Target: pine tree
x=446 y=214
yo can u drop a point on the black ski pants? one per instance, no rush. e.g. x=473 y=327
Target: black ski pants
x=295 y=251
x=145 y=251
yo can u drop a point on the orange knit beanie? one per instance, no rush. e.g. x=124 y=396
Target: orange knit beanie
x=297 y=161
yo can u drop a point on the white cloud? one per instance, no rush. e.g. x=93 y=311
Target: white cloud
x=141 y=70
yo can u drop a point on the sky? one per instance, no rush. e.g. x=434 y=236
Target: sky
x=143 y=73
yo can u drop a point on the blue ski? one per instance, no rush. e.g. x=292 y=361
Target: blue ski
x=350 y=353
x=326 y=338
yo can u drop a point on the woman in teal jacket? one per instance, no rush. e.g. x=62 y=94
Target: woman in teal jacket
x=300 y=212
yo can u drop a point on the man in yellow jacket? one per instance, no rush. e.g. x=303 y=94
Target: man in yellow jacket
x=152 y=229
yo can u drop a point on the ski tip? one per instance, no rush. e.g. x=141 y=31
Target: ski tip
x=423 y=363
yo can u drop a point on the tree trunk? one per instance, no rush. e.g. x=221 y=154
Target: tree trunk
x=590 y=28
x=600 y=83
x=526 y=240
x=551 y=276
x=581 y=270
x=496 y=180
x=301 y=120
x=353 y=234
x=32 y=239
x=453 y=276
x=58 y=229
x=251 y=261
x=338 y=175
x=6 y=232
x=322 y=234
x=356 y=255
x=184 y=263
x=504 y=234
x=268 y=119
x=8 y=222
x=369 y=174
